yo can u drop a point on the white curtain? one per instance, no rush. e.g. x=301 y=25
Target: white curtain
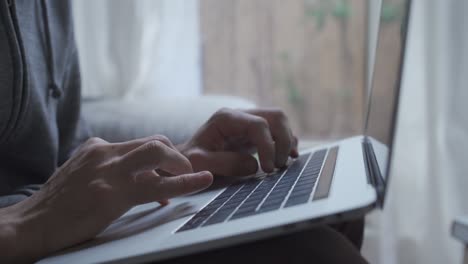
x=145 y=48
x=141 y=59
x=447 y=62
x=429 y=184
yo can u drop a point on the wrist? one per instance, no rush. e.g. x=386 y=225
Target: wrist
x=8 y=236
x=21 y=236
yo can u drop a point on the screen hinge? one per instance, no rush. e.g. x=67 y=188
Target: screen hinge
x=374 y=176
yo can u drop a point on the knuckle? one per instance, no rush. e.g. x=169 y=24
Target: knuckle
x=94 y=141
x=278 y=117
x=223 y=113
x=163 y=139
x=97 y=151
x=94 y=146
x=195 y=156
x=183 y=183
x=261 y=123
x=279 y=114
x=186 y=162
x=156 y=149
x=155 y=145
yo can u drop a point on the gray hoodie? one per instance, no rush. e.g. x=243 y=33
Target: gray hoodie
x=40 y=121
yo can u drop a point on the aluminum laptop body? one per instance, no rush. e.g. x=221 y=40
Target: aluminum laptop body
x=344 y=179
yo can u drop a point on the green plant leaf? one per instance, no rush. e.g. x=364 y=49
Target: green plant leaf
x=294 y=95
x=390 y=12
x=342 y=9
x=318 y=13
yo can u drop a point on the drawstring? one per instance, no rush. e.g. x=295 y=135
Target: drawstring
x=52 y=86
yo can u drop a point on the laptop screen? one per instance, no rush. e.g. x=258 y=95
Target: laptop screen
x=386 y=80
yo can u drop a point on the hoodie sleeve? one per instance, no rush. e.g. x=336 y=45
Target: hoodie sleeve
x=18 y=195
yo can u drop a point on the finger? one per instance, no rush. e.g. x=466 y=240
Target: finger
x=155 y=155
x=150 y=187
x=256 y=129
x=163 y=173
x=294 y=151
x=225 y=163
x=185 y=184
x=125 y=147
x=141 y=179
x=259 y=133
x=164 y=202
x=281 y=132
x=283 y=143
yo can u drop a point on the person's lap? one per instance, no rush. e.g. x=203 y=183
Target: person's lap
x=338 y=243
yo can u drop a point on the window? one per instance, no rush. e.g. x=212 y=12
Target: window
x=304 y=56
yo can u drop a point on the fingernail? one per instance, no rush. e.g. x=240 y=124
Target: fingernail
x=207 y=176
x=205 y=173
x=294 y=153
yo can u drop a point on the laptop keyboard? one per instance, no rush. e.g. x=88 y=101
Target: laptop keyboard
x=285 y=188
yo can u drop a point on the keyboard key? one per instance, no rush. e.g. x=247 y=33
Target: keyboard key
x=245 y=210
x=216 y=219
x=297 y=201
x=274 y=201
x=302 y=192
x=229 y=191
x=300 y=188
x=242 y=214
x=247 y=207
x=269 y=208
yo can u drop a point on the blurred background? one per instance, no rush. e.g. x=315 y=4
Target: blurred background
x=306 y=57
x=164 y=66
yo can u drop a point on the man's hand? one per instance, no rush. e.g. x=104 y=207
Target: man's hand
x=97 y=185
x=224 y=145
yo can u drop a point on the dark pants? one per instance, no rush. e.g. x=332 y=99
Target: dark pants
x=338 y=243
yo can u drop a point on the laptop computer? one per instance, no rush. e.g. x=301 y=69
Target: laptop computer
x=326 y=184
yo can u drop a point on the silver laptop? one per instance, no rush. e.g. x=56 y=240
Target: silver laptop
x=326 y=184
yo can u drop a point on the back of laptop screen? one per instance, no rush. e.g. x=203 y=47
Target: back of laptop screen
x=386 y=79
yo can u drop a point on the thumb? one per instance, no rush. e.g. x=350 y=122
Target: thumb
x=226 y=163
